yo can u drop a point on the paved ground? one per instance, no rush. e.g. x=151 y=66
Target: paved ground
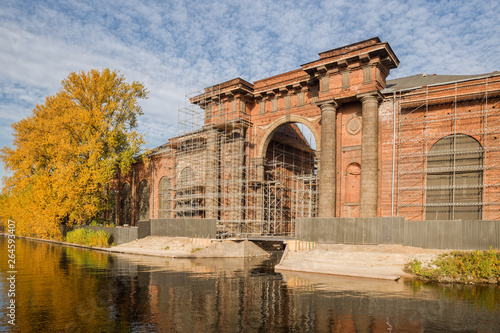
x=158 y=246
x=370 y=261
x=183 y=247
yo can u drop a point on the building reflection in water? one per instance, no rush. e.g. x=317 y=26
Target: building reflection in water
x=75 y=290
x=246 y=295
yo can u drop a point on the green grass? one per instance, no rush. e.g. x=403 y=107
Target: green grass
x=88 y=237
x=460 y=266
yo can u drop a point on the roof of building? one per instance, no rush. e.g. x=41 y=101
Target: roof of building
x=421 y=80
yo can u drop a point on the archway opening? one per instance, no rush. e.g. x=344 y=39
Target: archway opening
x=290 y=177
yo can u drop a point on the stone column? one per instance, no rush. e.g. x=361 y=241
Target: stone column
x=327 y=168
x=369 y=157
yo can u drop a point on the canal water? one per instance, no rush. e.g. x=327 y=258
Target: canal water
x=67 y=289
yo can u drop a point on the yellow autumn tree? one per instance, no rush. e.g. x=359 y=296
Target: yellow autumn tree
x=67 y=151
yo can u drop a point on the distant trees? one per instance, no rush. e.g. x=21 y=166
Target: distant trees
x=68 y=150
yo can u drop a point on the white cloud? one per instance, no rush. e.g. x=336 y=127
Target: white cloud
x=178 y=46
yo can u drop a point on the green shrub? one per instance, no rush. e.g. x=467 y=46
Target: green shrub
x=464 y=266
x=89 y=237
x=94 y=223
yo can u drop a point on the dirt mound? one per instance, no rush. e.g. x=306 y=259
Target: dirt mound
x=230 y=249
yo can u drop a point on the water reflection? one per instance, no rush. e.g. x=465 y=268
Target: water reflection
x=70 y=289
x=351 y=304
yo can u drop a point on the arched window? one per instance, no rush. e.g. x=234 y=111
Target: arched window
x=143 y=200
x=454 y=179
x=125 y=204
x=164 y=195
x=188 y=198
x=111 y=213
x=187 y=178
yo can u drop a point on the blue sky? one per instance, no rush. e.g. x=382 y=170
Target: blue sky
x=176 y=47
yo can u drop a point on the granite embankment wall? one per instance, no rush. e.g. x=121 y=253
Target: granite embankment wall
x=457 y=234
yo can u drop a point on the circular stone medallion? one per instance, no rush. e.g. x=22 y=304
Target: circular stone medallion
x=353 y=125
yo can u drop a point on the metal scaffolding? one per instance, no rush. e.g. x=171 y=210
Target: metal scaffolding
x=216 y=176
x=469 y=177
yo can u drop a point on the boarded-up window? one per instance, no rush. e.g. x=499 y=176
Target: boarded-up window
x=125 y=204
x=164 y=196
x=262 y=106
x=314 y=94
x=274 y=104
x=346 y=80
x=300 y=98
x=287 y=102
x=325 y=83
x=233 y=105
x=111 y=213
x=243 y=106
x=188 y=200
x=454 y=179
x=143 y=200
x=187 y=178
x=367 y=74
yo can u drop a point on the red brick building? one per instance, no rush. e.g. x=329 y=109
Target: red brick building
x=420 y=147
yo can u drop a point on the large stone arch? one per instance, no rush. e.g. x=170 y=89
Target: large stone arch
x=266 y=139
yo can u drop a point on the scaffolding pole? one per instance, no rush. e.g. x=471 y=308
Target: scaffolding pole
x=422 y=125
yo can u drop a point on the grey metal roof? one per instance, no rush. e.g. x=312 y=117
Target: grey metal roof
x=419 y=80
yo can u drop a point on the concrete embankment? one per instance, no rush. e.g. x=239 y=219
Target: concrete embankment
x=184 y=247
x=364 y=261
x=178 y=247
x=367 y=261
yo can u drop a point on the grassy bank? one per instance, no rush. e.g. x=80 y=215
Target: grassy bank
x=459 y=267
x=88 y=237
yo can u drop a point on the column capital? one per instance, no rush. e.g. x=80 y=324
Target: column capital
x=327 y=104
x=366 y=97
